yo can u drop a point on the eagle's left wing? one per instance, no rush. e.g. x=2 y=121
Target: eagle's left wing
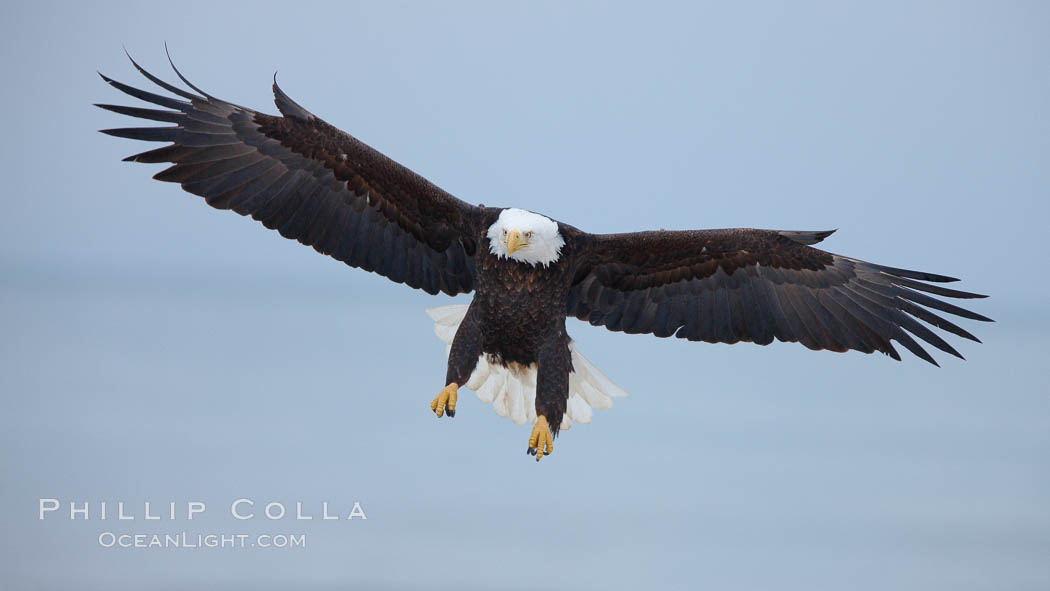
x=725 y=286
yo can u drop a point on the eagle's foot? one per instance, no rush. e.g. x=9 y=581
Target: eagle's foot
x=540 y=442
x=445 y=401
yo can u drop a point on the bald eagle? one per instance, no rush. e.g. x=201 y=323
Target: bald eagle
x=311 y=182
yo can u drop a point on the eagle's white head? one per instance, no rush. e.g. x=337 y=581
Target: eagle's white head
x=525 y=237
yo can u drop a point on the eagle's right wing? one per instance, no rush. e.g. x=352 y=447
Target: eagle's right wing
x=311 y=182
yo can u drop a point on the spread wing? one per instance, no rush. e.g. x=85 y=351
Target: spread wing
x=725 y=286
x=311 y=182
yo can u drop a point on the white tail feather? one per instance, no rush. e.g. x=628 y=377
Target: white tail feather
x=512 y=390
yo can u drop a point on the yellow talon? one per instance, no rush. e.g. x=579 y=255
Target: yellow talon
x=445 y=401
x=540 y=441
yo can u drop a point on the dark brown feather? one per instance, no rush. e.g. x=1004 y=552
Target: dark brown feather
x=311 y=182
x=756 y=285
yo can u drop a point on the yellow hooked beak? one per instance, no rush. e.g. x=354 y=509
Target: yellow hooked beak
x=514 y=242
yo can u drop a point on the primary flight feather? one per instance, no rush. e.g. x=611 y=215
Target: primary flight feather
x=316 y=184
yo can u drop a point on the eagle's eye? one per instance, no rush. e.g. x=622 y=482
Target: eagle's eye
x=504 y=232
x=528 y=234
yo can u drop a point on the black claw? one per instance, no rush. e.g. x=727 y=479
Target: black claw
x=450 y=412
x=531 y=451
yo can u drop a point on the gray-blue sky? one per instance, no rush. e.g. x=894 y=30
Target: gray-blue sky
x=159 y=349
